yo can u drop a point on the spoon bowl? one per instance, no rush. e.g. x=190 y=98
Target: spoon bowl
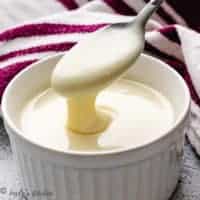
x=119 y=45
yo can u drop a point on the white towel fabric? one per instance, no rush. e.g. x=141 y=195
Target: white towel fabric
x=60 y=24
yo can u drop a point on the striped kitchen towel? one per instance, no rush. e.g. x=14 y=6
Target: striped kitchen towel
x=172 y=36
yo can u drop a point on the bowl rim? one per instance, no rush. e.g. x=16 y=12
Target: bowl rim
x=129 y=148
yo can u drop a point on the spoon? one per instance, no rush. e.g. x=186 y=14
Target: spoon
x=101 y=58
x=93 y=64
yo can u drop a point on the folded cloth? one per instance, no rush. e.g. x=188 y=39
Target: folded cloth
x=168 y=37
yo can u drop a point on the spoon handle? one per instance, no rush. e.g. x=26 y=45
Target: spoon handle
x=147 y=12
x=156 y=2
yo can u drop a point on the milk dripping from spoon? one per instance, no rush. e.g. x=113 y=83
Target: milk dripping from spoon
x=93 y=64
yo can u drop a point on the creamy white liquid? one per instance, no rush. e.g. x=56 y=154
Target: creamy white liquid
x=138 y=115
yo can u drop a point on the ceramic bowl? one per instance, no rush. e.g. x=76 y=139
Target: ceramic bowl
x=148 y=172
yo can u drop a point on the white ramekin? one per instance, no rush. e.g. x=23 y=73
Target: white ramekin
x=149 y=172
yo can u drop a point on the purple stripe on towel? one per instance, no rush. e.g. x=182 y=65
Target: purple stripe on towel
x=170 y=33
x=64 y=46
x=120 y=7
x=69 y=4
x=7 y=73
x=47 y=29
